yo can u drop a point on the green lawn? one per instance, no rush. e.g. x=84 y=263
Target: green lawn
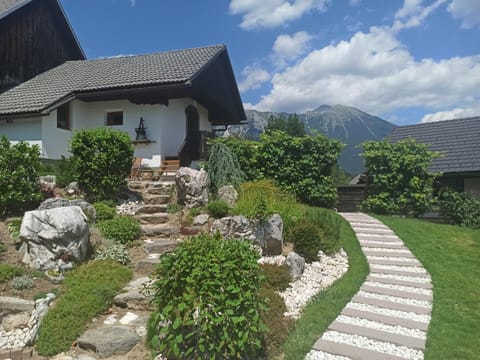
x=451 y=255
x=326 y=306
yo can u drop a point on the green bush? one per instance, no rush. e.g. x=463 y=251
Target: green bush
x=207 y=296
x=218 y=208
x=8 y=272
x=116 y=252
x=86 y=292
x=223 y=167
x=292 y=125
x=277 y=277
x=19 y=165
x=306 y=240
x=122 y=229
x=65 y=171
x=459 y=208
x=103 y=160
x=194 y=212
x=104 y=211
x=328 y=223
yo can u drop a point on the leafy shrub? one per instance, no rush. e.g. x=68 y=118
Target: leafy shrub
x=13 y=226
x=104 y=211
x=223 y=167
x=86 y=292
x=173 y=208
x=116 y=252
x=328 y=224
x=22 y=282
x=19 y=186
x=277 y=277
x=207 y=295
x=218 y=208
x=292 y=125
x=103 y=160
x=66 y=171
x=306 y=240
x=122 y=229
x=8 y=272
x=399 y=181
x=459 y=208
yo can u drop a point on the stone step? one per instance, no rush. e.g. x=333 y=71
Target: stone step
x=156 y=199
x=151 y=209
x=385 y=319
x=158 y=218
x=159 y=230
x=365 y=223
x=395 y=262
x=373 y=237
x=383 y=244
x=373 y=231
x=160 y=246
x=350 y=351
x=395 y=292
x=374 y=271
x=383 y=280
x=369 y=252
x=391 y=305
x=164 y=190
x=385 y=336
x=147 y=266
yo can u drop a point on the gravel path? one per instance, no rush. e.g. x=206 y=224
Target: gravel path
x=388 y=318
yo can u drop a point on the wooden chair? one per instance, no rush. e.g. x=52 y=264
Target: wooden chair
x=135 y=173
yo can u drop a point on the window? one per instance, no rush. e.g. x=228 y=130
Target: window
x=114 y=118
x=63 y=117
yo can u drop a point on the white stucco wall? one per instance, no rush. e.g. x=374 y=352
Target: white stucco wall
x=56 y=141
x=472 y=187
x=23 y=129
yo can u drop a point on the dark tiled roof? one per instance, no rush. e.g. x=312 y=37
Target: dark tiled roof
x=457 y=140
x=8 y=5
x=172 y=67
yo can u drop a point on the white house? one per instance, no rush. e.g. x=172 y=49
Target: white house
x=168 y=102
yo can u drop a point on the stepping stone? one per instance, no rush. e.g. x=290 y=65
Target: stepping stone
x=14 y=305
x=162 y=230
x=397 y=293
x=371 y=237
x=389 y=320
x=151 y=209
x=371 y=231
x=159 y=191
x=385 y=245
x=109 y=340
x=374 y=271
x=394 y=262
x=369 y=252
x=375 y=334
x=156 y=199
x=133 y=299
x=159 y=218
x=391 y=305
x=416 y=284
x=147 y=266
x=160 y=246
x=351 y=351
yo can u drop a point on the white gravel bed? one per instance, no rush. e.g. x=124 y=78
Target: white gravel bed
x=422 y=280
x=396 y=251
x=317 y=276
x=413 y=269
x=389 y=312
x=400 y=287
x=396 y=299
x=374 y=345
x=272 y=260
x=391 y=258
x=419 y=334
x=321 y=355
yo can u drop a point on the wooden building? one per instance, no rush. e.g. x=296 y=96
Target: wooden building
x=35 y=36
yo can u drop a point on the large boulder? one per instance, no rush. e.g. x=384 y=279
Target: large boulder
x=192 y=187
x=228 y=194
x=50 y=237
x=296 y=263
x=235 y=227
x=270 y=235
x=86 y=207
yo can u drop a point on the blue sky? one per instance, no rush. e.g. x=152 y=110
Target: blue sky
x=404 y=60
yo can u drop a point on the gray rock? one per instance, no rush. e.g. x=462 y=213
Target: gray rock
x=13 y=305
x=200 y=220
x=192 y=187
x=147 y=266
x=235 y=227
x=228 y=194
x=72 y=188
x=109 y=340
x=49 y=235
x=296 y=263
x=15 y=321
x=86 y=207
x=134 y=299
x=270 y=235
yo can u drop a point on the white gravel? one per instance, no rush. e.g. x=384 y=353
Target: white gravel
x=389 y=312
x=423 y=280
x=272 y=260
x=396 y=299
x=392 y=258
x=374 y=345
x=413 y=269
x=381 y=326
x=396 y=251
x=400 y=287
x=320 y=355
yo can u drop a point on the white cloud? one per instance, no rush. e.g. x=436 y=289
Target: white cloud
x=253 y=77
x=409 y=8
x=413 y=13
x=456 y=113
x=290 y=47
x=272 y=13
x=355 y=2
x=466 y=10
x=376 y=73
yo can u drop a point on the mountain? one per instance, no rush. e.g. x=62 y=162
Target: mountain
x=348 y=124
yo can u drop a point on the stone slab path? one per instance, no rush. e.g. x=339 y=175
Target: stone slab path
x=389 y=316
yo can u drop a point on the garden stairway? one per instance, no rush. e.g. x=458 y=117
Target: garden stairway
x=389 y=316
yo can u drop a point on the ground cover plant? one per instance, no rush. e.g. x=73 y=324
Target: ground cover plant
x=218 y=208
x=121 y=229
x=86 y=292
x=104 y=210
x=8 y=272
x=451 y=255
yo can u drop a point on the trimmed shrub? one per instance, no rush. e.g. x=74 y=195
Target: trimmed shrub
x=116 y=252
x=104 y=211
x=306 y=240
x=277 y=277
x=86 y=292
x=8 y=272
x=123 y=229
x=207 y=296
x=19 y=166
x=223 y=167
x=459 y=208
x=218 y=208
x=103 y=160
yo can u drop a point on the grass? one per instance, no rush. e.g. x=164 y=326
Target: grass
x=451 y=255
x=86 y=292
x=8 y=272
x=326 y=306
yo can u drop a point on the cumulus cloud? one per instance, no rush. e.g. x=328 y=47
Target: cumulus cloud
x=375 y=72
x=413 y=13
x=290 y=47
x=253 y=77
x=456 y=113
x=466 y=10
x=272 y=13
